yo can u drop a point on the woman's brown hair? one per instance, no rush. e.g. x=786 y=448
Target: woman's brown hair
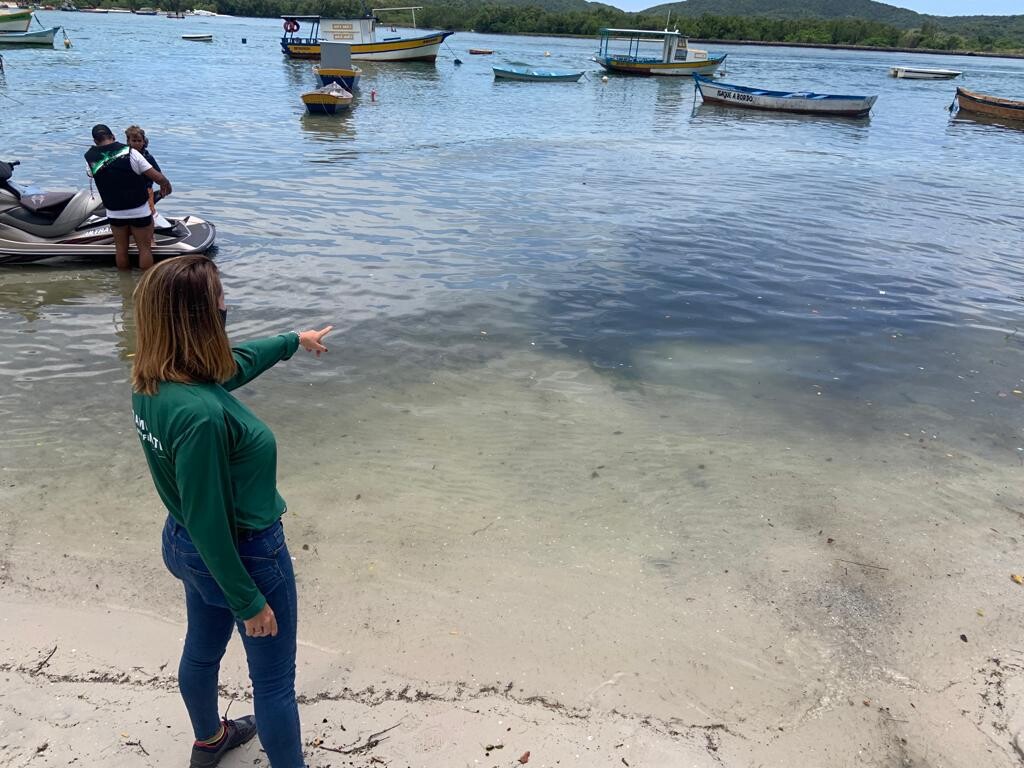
x=178 y=330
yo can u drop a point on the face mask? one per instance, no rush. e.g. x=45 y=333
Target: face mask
x=223 y=317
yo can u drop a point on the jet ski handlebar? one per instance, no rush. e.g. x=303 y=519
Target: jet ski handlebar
x=7 y=168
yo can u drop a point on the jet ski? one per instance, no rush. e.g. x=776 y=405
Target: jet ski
x=37 y=225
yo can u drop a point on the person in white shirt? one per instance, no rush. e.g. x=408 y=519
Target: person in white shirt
x=123 y=178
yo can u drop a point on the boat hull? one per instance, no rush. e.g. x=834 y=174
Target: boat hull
x=992 y=106
x=804 y=103
x=423 y=48
x=94 y=240
x=536 y=75
x=328 y=100
x=15 y=21
x=629 y=66
x=41 y=37
x=326 y=106
x=346 y=78
x=910 y=73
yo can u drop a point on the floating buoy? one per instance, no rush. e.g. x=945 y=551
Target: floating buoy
x=67 y=43
x=373 y=94
x=604 y=79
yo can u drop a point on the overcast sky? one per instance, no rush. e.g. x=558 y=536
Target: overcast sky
x=940 y=7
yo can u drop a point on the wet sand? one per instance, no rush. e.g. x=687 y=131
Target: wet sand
x=602 y=570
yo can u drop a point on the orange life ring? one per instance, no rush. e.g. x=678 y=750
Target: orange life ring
x=291 y=25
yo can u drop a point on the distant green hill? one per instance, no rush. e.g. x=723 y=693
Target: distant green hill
x=988 y=31
x=556 y=6
x=820 y=22
x=868 y=10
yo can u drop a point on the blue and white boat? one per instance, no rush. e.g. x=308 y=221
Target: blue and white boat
x=805 y=102
x=42 y=37
x=533 y=74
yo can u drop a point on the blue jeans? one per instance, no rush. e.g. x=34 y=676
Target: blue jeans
x=271 y=659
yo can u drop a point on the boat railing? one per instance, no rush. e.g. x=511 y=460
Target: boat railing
x=635 y=59
x=412 y=8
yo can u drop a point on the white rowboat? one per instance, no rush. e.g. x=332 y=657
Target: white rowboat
x=43 y=37
x=805 y=102
x=915 y=73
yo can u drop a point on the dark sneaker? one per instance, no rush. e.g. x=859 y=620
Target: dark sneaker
x=236 y=733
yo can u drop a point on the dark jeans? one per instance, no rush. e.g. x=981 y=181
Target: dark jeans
x=271 y=659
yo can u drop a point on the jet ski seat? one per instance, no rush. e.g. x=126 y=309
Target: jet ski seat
x=46 y=203
x=52 y=214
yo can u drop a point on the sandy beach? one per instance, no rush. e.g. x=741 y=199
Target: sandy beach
x=780 y=592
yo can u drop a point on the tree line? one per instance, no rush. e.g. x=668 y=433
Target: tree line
x=534 y=19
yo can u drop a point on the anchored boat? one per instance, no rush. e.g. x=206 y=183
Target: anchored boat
x=642 y=58
x=992 y=106
x=916 y=73
x=15 y=20
x=371 y=40
x=805 y=102
x=537 y=75
x=327 y=100
x=336 y=66
x=43 y=37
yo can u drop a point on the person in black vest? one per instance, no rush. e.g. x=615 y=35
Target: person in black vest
x=123 y=178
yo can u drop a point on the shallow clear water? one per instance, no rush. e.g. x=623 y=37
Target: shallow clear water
x=598 y=221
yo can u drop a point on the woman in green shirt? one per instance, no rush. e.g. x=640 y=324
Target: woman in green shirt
x=214 y=464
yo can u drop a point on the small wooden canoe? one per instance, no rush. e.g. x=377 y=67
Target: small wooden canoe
x=917 y=73
x=198 y=38
x=328 y=100
x=535 y=75
x=804 y=102
x=993 y=106
x=481 y=51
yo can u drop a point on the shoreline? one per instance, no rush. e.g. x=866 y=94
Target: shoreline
x=776 y=595
x=772 y=43
x=880 y=49
x=781 y=44
x=64 y=667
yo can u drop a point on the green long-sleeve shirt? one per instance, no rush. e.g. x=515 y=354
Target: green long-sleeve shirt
x=214 y=464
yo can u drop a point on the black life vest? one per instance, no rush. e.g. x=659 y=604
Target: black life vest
x=120 y=187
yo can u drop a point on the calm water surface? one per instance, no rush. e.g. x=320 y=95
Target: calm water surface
x=620 y=226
